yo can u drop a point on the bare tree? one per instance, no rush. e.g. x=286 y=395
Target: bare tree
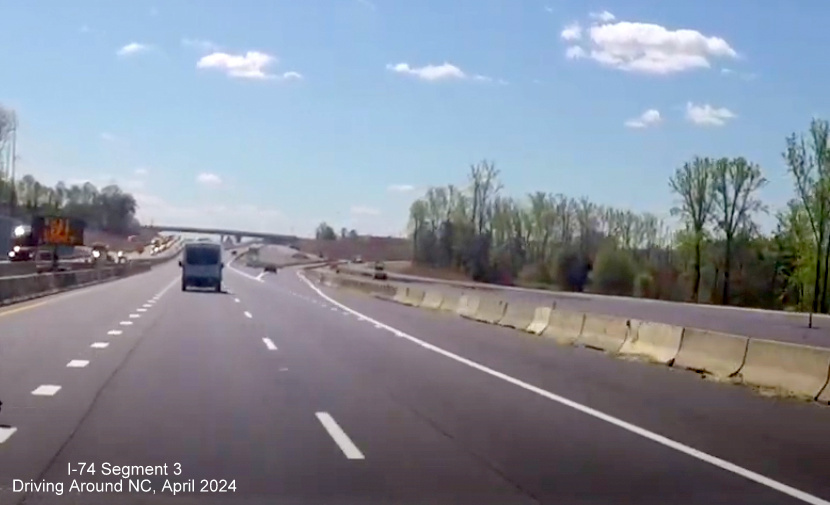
x=734 y=184
x=693 y=184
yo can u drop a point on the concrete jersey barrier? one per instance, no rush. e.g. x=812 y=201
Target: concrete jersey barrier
x=432 y=300
x=657 y=342
x=518 y=316
x=490 y=310
x=564 y=326
x=606 y=333
x=541 y=318
x=450 y=303
x=794 y=369
x=400 y=294
x=468 y=305
x=719 y=354
x=414 y=296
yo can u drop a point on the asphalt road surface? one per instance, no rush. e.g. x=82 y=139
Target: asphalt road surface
x=307 y=395
x=773 y=325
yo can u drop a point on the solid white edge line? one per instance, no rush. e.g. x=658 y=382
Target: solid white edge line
x=650 y=435
x=340 y=438
x=6 y=432
x=77 y=363
x=240 y=272
x=247 y=314
x=269 y=344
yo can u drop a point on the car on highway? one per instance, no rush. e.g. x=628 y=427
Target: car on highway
x=270 y=268
x=202 y=265
x=358 y=259
x=380 y=271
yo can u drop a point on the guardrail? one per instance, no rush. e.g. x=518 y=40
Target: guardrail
x=783 y=369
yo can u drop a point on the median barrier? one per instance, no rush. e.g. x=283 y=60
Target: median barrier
x=518 y=316
x=400 y=294
x=564 y=326
x=606 y=333
x=824 y=396
x=450 y=303
x=541 y=318
x=490 y=310
x=414 y=296
x=793 y=369
x=468 y=305
x=657 y=342
x=432 y=300
x=719 y=354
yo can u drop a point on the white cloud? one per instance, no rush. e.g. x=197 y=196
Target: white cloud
x=209 y=179
x=251 y=65
x=133 y=48
x=603 y=16
x=141 y=171
x=361 y=210
x=706 y=115
x=651 y=117
x=653 y=49
x=429 y=72
x=108 y=137
x=549 y=9
x=401 y=188
x=572 y=32
x=200 y=44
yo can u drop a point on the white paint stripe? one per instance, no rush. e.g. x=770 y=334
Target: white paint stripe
x=100 y=345
x=125 y=323
x=147 y=305
x=46 y=390
x=236 y=300
x=649 y=435
x=259 y=277
x=141 y=309
x=334 y=309
x=6 y=432
x=269 y=344
x=240 y=272
x=77 y=363
x=248 y=314
x=135 y=316
x=340 y=438
x=114 y=332
x=151 y=302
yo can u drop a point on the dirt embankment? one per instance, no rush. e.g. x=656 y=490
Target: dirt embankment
x=369 y=248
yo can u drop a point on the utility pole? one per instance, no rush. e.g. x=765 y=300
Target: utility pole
x=12 y=190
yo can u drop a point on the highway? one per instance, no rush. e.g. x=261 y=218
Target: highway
x=773 y=325
x=302 y=394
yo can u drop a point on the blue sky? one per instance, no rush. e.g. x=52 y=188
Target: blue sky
x=311 y=110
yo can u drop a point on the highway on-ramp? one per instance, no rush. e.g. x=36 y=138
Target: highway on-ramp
x=300 y=394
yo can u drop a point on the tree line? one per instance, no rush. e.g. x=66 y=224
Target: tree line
x=108 y=208
x=718 y=255
x=325 y=232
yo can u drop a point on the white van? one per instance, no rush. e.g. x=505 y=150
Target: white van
x=202 y=266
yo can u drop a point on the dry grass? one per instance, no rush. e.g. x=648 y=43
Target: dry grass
x=431 y=272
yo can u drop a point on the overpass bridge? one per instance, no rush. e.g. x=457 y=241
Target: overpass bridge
x=271 y=238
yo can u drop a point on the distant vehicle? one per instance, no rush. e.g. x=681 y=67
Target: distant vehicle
x=380 y=271
x=202 y=266
x=24 y=244
x=271 y=268
x=233 y=253
x=120 y=257
x=358 y=259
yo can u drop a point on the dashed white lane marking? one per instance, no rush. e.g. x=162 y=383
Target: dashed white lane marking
x=236 y=300
x=150 y=302
x=340 y=438
x=125 y=323
x=269 y=344
x=135 y=316
x=141 y=309
x=632 y=428
x=77 y=363
x=248 y=314
x=100 y=345
x=114 y=332
x=334 y=309
x=147 y=305
x=6 y=432
x=283 y=369
x=46 y=390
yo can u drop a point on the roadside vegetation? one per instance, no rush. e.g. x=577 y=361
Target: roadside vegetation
x=108 y=209
x=718 y=255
